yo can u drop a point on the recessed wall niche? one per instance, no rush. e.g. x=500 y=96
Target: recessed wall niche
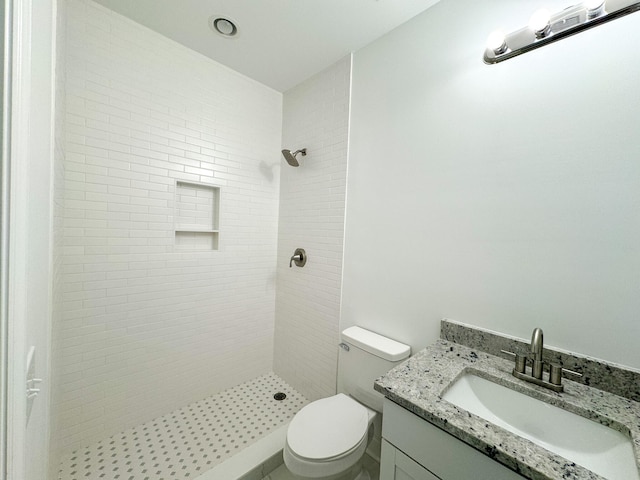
x=197 y=216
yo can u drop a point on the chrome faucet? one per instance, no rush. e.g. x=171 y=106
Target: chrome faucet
x=536 y=353
x=554 y=381
x=537 y=343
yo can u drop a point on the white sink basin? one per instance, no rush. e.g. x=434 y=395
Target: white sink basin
x=600 y=449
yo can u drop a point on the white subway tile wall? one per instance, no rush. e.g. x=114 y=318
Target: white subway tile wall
x=144 y=328
x=196 y=206
x=312 y=206
x=197 y=216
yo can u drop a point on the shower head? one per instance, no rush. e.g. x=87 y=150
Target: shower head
x=291 y=157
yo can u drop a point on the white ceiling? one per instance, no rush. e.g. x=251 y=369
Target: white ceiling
x=280 y=42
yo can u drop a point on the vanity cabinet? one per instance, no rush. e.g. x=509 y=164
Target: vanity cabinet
x=395 y=465
x=414 y=449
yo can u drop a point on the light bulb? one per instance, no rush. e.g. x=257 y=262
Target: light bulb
x=594 y=7
x=540 y=23
x=497 y=42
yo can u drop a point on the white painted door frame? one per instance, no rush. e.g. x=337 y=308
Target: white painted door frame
x=18 y=130
x=25 y=165
x=4 y=228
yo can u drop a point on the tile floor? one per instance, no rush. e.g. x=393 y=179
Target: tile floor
x=187 y=442
x=281 y=473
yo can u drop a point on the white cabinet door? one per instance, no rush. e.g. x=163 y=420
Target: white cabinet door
x=443 y=454
x=395 y=465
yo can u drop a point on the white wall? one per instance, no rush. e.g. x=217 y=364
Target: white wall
x=312 y=205
x=30 y=243
x=145 y=328
x=504 y=196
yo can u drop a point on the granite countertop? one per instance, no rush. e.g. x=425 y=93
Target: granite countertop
x=418 y=384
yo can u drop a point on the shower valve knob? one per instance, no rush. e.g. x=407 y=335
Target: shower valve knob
x=299 y=258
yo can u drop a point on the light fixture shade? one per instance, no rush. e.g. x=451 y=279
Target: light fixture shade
x=594 y=7
x=497 y=42
x=593 y=4
x=540 y=23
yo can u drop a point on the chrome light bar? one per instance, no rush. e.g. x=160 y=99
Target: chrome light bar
x=545 y=28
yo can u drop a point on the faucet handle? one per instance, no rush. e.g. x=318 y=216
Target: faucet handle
x=571 y=372
x=555 y=373
x=521 y=363
x=521 y=360
x=299 y=258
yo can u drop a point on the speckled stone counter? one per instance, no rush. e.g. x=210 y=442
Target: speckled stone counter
x=602 y=375
x=418 y=384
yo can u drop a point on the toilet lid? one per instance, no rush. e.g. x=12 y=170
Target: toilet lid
x=327 y=428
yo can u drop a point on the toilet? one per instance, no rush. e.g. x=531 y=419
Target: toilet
x=327 y=439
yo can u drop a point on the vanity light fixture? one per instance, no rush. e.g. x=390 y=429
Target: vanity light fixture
x=497 y=42
x=540 y=23
x=594 y=7
x=545 y=27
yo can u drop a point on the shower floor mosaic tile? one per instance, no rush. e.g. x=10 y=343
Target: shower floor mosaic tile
x=187 y=442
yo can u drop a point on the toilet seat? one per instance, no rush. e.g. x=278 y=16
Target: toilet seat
x=328 y=429
x=327 y=439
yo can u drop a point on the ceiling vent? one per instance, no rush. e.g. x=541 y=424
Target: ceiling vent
x=223 y=26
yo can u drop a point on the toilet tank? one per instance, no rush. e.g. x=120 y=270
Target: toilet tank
x=365 y=356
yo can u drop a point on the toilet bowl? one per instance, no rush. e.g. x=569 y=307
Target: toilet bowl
x=327 y=439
